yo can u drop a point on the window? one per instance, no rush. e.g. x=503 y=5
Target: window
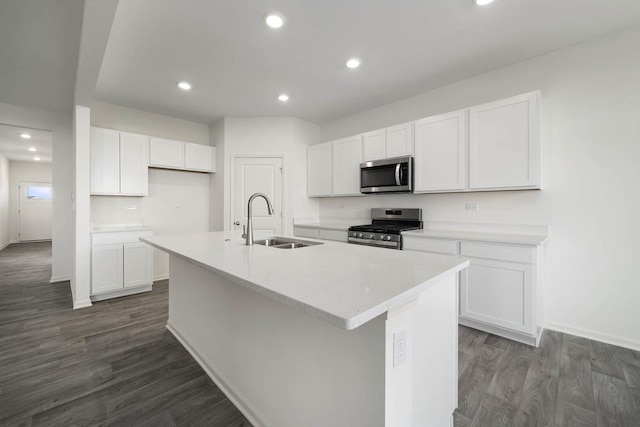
x=39 y=193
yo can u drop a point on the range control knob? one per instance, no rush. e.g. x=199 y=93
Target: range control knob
x=360 y=234
x=387 y=237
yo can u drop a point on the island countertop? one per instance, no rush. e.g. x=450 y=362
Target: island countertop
x=342 y=284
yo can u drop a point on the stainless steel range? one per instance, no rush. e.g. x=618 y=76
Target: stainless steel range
x=387 y=225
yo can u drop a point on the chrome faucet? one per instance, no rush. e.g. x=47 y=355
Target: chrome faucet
x=249 y=233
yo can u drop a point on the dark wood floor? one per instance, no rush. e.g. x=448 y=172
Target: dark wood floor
x=112 y=364
x=115 y=364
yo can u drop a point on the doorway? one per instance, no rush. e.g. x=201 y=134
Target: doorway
x=34 y=211
x=251 y=175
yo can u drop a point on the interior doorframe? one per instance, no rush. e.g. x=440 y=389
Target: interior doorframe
x=19 y=194
x=285 y=199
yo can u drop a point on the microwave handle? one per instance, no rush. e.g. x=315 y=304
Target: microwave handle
x=398 y=182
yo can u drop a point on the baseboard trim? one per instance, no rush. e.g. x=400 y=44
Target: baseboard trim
x=495 y=330
x=593 y=335
x=5 y=245
x=160 y=277
x=232 y=394
x=82 y=304
x=55 y=279
x=121 y=293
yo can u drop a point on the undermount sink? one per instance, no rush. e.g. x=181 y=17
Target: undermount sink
x=285 y=243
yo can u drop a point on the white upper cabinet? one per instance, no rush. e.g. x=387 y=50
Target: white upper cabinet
x=319 y=170
x=504 y=143
x=105 y=161
x=134 y=171
x=166 y=153
x=119 y=163
x=171 y=154
x=390 y=142
x=374 y=145
x=199 y=157
x=400 y=140
x=440 y=143
x=347 y=156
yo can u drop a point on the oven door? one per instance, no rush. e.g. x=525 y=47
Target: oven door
x=387 y=176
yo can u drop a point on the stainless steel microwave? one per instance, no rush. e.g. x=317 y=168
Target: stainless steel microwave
x=387 y=175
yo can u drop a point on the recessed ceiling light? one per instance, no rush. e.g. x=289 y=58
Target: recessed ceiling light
x=353 y=63
x=184 y=85
x=283 y=97
x=37 y=159
x=483 y=2
x=274 y=20
x=32 y=149
x=25 y=135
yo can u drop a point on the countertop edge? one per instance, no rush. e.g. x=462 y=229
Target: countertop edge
x=341 y=322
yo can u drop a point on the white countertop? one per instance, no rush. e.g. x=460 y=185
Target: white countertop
x=521 y=239
x=115 y=228
x=345 y=285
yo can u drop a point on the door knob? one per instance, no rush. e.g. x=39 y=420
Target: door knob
x=236 y=223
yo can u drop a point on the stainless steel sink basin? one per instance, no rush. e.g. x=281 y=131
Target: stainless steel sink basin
x=285 y=243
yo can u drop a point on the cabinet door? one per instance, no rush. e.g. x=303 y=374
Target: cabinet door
x=138 y=265
x=106 y=268
x=440 y=153
x=504 y=144
x=400 y=140
x=134 y=161
x=166 y=153
x=347 y=156
x=374 y=145
x=319 y=170
x=498 y=293
x=105 y=161
x=199 y=157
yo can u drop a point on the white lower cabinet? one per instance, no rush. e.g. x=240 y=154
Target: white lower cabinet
x=498 y=290
x=120 y=264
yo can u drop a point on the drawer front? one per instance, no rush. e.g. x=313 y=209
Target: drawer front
x=511 y=253
x=441 y=246
x=337 y=235
x=119 y=237
x=306 y=232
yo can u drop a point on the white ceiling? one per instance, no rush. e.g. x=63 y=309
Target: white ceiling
x=39 y=43
x=16 y=148
x=238 y=66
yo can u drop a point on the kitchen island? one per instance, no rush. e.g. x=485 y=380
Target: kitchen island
x=325 y=335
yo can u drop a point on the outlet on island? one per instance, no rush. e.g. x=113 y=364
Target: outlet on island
x=472 y=206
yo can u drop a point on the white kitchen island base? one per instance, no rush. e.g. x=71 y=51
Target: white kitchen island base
x=282 y=367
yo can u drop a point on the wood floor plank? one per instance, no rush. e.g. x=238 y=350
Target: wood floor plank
x=494 y=412
x=508 y=382
x=606 y=359
x=475 y=381
x=576 y=384
x=616 y=404
x=570 y=415
x=537 y=405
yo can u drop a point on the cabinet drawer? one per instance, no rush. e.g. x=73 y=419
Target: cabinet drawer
x=442 y=246
x=500 y=252
x=305 y=232
x=119 y=237
x=337 y=235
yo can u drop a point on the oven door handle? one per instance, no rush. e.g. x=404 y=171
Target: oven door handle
x=398 y=174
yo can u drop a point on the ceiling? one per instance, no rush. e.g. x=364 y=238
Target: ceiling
x=39 y=44
x=238 y=66
x=16 y=148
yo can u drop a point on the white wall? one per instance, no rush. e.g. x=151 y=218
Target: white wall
x=271 y=136
x=216 y=202
x=23 y=171
x=178 y=201
x=4 y=201
x=63 y=172
x=591 y=130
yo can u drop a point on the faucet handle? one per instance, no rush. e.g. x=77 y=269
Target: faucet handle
x=244 y=232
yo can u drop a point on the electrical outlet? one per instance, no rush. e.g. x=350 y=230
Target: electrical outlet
x=399 y=347
x=472 y=206
x=131 y=207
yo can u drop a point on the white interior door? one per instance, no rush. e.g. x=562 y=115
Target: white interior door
x=34 y=211
x=257 y=175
